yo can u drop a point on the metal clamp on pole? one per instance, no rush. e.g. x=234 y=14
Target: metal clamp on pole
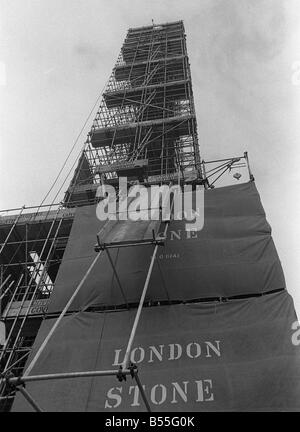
x=133 y=368
x=121 y=376
x=18 y=384
x=159 y=241
x=99 y=246
x=12 y=381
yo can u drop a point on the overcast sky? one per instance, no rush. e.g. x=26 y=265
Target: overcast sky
x=56 y=56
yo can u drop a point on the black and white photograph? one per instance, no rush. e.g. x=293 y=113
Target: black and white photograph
x=149 y=209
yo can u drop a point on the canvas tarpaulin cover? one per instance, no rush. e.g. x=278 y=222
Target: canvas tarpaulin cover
x=233 y=254
x=217 y=356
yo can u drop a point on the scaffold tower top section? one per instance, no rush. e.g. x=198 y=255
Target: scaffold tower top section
x=145 y=127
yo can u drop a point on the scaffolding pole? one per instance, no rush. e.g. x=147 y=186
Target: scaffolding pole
x=142 y=391
x=137 y=317
x=64 y=375
x=7 y=289
x=4 y=282
x=142 y=299
x=30 y=399
x=117 y=278
x=56 y=324
x=12 y=228
x=20 y=381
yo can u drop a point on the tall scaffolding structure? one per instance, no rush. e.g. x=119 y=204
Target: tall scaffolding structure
x=145 y=129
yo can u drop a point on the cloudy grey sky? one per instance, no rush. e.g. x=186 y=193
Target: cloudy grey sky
x=56 y=56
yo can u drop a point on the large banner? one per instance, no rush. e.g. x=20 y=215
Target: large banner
x=216 y=356
x=233 y=254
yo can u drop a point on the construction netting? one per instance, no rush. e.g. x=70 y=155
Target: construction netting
x=223 y=341
x=233 y=254
x=216 y=356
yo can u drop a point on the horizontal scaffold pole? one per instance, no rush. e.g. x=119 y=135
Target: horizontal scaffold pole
x=65 y=375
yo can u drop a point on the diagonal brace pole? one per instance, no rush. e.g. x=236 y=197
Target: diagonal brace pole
x=56 y=324
x=142 y=391
x=142 y=299
x=138 y=314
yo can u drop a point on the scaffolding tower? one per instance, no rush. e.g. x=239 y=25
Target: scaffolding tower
x=145 y=129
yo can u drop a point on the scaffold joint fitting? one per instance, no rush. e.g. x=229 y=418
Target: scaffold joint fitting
x=120 y=375
x=133 y=369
